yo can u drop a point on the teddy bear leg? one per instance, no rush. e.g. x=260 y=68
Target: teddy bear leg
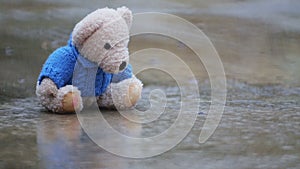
x=64 y=100
x=121 y=95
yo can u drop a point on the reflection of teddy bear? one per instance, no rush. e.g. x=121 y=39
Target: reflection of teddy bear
x=94 y=63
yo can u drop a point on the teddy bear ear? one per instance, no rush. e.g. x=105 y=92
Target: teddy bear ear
x=85 y=28
x=126 y=14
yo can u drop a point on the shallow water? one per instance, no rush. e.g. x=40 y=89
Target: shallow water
x=258 y=43
x=257 y=130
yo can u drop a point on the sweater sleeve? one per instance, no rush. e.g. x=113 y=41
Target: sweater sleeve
x=125 y=74
x=59 y=67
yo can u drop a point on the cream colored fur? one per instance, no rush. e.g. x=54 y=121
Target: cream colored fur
x=118 y=95
x=51 y=97
x=90 y=36
x=100 y=27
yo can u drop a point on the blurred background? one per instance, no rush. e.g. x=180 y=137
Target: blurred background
x=258 y=42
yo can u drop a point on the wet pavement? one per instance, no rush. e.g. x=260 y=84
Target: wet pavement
x=257 y=131
x=259 y=127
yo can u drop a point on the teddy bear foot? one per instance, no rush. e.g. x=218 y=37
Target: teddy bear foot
x=64 y=100
x=70 y=99
x=122 y=95
x=71 y=102
x=134 y=93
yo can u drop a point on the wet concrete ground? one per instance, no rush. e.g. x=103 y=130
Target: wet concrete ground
x=256 y=131
x=258 y=42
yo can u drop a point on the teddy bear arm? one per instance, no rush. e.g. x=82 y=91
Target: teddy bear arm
x=47 y=88
x=59 y=67
x=47 y=92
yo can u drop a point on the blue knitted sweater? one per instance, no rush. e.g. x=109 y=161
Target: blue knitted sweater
x=65 y=66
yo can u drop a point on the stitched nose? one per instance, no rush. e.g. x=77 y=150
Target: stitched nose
x=122 y=66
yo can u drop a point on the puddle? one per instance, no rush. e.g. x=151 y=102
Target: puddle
x=256 y=130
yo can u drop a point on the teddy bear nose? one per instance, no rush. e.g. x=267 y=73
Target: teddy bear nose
x=122 y=66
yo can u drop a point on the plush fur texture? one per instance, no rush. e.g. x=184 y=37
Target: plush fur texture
x=121 y=95
x=101 y=27
x=53 y=98
x=101 y=37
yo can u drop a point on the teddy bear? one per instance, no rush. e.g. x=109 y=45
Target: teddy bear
x=93 y=64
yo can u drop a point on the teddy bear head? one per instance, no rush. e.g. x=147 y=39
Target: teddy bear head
x=102 y=37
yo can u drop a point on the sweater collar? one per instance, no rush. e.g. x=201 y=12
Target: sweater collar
x=72 y=46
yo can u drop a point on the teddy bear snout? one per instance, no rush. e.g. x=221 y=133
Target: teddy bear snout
x=115 y=63
x=122 y=66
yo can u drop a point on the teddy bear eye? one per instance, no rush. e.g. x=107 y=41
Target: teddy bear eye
x=107 y=46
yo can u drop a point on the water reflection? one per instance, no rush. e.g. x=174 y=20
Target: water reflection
x=62 y=143
x=256 y=130
x=58 y=142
